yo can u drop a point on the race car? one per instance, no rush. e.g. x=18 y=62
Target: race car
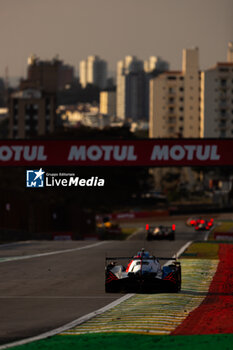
x=196 y=221
x=204 y=225
x=143 y=273
x=160 y=232
x=106 y=226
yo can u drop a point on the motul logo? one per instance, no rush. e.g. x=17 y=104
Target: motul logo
x=95 y=153
x=117 y=153
x=19 y=153
x=187 y=152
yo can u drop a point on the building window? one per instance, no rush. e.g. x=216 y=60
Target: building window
x=222 y=134
x=171 y=78
x=223 y=82
x=171 y=90
x=181 y=78
x=181 y=99
x=181 y=119
x=181 y=88
x=181 y=108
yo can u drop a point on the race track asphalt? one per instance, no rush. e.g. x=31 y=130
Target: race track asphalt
x=41 y=293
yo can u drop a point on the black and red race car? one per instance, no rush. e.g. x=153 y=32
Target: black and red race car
x=142 y=273
x=160 y=232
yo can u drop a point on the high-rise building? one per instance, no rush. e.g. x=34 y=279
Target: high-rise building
x=174 y=100
x=133 y=77
x=93 y=71
x=51 y=76
x=108 y=102
x=31 y=113
x=217 y=99
x=155 y=63
x=129 y=95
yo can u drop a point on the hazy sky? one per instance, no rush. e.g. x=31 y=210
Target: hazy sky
x=112 y=29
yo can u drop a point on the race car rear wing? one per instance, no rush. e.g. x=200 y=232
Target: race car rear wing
x=139 y=257
x=151 y=227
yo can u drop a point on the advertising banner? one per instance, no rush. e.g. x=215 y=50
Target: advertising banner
x=149 y=152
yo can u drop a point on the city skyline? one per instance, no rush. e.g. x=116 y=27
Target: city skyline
x=112 y=30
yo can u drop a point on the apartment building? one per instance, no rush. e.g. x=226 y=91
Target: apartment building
x=93 y=70
x=52 y=76
x=217 y=99
x=31 y=113
x=174 y=100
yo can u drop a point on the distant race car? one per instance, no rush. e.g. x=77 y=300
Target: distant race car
x=204 y=225
x=160 y=232
x=106 y=226
x=199 y=221
x=142 y=273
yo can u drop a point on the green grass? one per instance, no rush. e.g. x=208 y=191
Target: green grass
x=201 y=250
x=127 y=341
x=128 y=230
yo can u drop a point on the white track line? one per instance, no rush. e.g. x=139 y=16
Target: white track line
x=82 y=319
x=208 y=233
x=15 y=258
x=72 y=324
x=182 y=249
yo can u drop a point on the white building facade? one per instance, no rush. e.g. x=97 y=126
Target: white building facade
x=217 y=99
x=174 y=100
